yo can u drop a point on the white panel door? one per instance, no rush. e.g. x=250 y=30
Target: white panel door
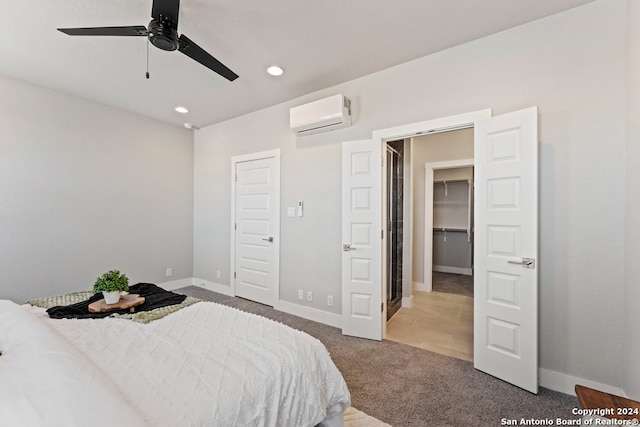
x=255 y=229
x=506 y=248
x=361 y=238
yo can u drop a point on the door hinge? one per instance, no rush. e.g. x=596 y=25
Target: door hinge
x=235 y=225
x=234 y=274
x=382 y=234
x=381 y=307
x=236 y=179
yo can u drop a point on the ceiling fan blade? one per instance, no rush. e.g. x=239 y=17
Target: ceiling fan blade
x=195 y=52
x=168 y=9
x=137 y=30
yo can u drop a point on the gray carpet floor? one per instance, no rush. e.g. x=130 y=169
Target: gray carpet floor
x=407 y=386
x=459 y=284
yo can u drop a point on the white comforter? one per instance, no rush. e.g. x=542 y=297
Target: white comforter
x=211 y=365
x=44 y=381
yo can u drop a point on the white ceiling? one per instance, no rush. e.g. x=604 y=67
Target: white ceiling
x=318 y=43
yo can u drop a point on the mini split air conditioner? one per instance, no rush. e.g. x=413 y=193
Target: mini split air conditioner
x=321 y=116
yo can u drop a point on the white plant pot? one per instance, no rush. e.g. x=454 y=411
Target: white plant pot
x=111 y=297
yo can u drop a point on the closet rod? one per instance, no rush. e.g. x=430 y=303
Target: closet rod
x=466 y=230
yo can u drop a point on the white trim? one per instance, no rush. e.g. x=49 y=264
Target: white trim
x=442 y=124
x=429 y=169
x=212 y=286
x=275 y=154
x=564 y=383
x=407 y=302
x=407 y=226
x=310 y=313
x=419 y=287
x=256 y=156
x=453 y=270
x=176 y=284
x=200 y=283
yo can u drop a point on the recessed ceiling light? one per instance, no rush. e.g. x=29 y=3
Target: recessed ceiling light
x=181 y=109
x=274 y=70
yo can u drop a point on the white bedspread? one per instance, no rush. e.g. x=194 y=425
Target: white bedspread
x=46 y=382
x=212 y=365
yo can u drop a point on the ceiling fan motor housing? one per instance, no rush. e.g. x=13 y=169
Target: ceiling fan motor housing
x=163 y=35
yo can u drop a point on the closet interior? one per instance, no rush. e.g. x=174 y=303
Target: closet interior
x=453 y=221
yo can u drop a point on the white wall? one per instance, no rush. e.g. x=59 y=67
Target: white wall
x=572 y=66
x=439 y=147
x=86 y=188
x=632 y=222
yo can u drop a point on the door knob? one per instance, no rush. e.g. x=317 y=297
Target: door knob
x=346 y=247
x=268 y=239
x=526 y=262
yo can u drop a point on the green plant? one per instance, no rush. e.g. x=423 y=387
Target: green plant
x=111 y=281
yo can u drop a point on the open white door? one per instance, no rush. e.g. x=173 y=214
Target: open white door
x=506 y=248
x=361 y=238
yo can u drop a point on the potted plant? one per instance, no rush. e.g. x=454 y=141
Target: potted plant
x=111 y=284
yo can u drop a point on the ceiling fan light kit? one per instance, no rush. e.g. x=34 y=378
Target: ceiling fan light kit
x=163 y=34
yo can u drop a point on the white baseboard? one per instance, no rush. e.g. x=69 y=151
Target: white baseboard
x=454 y=270
x=420 y=287
x=212 y=286
x=564 y=383
x=176 y=284
x=309 y=313
x=407 y=302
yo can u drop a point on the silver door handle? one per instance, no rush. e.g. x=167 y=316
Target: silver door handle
x=346 y=247
x=526 y=262
x=268 y=239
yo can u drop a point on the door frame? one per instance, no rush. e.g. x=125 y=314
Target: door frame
x=275 y=154
x=391 y=168
x=381 y=136
x=429 y=169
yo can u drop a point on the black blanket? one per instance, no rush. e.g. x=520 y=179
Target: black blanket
x=155 y=297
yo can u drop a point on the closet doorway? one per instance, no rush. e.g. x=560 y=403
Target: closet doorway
x=440 y=317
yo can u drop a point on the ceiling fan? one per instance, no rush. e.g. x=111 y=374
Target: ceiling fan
x=163 y=34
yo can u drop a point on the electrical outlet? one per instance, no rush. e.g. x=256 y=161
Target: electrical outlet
x=330 y=300
x=309 y=296
x=217 y=274
x=300 y=294
x=169 y=272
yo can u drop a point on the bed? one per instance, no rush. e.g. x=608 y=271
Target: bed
x=203 y=365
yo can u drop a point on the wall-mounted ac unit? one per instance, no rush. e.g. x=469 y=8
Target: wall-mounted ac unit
x=323 y=115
